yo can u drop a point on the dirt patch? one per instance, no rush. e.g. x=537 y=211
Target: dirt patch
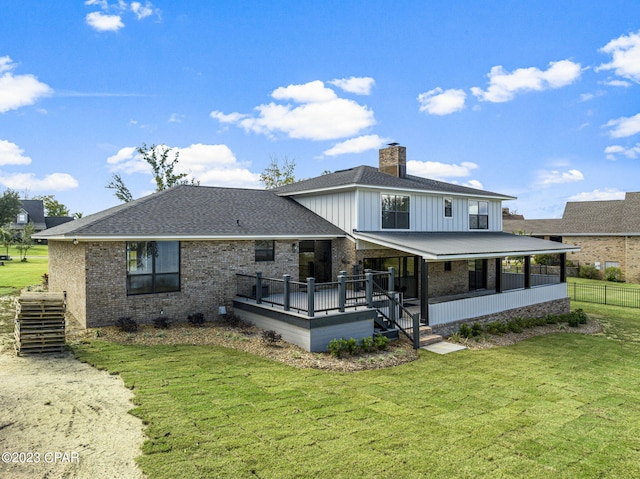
x=65 y=417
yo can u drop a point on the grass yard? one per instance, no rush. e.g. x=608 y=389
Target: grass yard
x=557 y=406
x=15 y=275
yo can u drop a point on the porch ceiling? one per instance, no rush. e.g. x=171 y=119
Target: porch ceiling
x=463 y=245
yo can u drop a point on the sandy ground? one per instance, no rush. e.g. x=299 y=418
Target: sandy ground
x=52 y=403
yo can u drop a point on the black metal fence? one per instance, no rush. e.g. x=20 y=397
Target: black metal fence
x=609 y=294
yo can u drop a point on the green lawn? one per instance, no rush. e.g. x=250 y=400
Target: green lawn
x=15 y=274
x=558 y=406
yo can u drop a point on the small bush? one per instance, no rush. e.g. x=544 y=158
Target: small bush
x=161 y=322
x=589 y=271
x=337 y=347
x=613 y=273
x=465 y=330
x=352 y=346
x=381 y=342
x=476 y=329
x=127 y=325
x=236 y=322
x=196 y=319
x=271 y=337
x=44 y=280
x=367 y=344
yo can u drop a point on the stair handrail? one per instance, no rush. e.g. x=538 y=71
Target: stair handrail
x=404 y=312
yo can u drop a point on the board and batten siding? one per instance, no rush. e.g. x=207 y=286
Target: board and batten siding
x=426 y=213
x=337 y=208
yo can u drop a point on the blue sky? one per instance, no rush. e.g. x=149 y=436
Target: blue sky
x=539 y=100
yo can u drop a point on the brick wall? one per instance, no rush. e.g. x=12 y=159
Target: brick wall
x=599 y=249
x=208 y=279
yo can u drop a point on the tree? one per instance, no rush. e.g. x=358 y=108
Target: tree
x=275 y=175
x=6 y=239
x=52 y=207
x=24 y=242
x=9 y=207
x=121 y=190
x=157 y=157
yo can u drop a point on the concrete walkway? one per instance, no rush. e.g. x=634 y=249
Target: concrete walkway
x=443 y=347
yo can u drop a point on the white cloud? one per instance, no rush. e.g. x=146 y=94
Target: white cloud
x=176 y=118
x=357 y=85
x=100 y=3
x=28 y=181
x=356 y=145
x=321 y=115
x=556 y=177
x=12 y=154
x=142 y=11
x=312 y=92
x=211 y=165
x=605 y=194
x=435 y=169
x=503 y=86
x=442 y=102
x=621 y=83
x=625 y=51
x=230 y=118
x=19 y=90
x=103 y=22
x=612 y=152
x=624 y=126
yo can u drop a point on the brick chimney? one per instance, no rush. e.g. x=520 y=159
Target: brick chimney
x=393 y=160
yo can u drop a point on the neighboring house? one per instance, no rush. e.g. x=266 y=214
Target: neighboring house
x=180 y=251
x=607 y=232
x=32 y=211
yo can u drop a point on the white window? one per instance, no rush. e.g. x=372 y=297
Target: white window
x=448 y=208
x=23 y=218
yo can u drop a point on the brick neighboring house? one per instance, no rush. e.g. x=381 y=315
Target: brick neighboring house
x=607 y=232
x=179 y=251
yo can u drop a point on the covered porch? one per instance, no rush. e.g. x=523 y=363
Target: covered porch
x=484 y=288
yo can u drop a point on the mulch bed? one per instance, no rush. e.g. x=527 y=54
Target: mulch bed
x=249 y=339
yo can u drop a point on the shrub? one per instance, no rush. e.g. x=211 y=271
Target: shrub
x=196 y=319
x=44 y=280
x=476 y=329
x=381 y=342
x=161 y=322
x=352 y=345
x=236 y=322
x=465 y=330
x=589 y=271
x=127 y=325
x=613 y=273
x=367 y=344
x=337 y=347
x=271 y=337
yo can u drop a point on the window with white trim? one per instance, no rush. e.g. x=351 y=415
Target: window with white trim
x=448 y=208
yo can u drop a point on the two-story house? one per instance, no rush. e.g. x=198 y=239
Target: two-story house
x=180 y=251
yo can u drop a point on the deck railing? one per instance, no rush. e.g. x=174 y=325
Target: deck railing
x=310 y=298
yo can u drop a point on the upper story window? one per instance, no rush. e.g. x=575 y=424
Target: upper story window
x=265 y=250
x=153 y=267
x=448 y=208
x=395 y=212
x=23 y=218
x=478 y=215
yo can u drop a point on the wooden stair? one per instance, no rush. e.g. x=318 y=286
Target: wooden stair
x=427 y=337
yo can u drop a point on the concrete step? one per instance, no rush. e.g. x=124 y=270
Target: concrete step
x=427 y=339
x=424 y=330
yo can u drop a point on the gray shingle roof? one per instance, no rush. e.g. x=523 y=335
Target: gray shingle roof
x=200 y=211
x=370 y=176
x=611 y=217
